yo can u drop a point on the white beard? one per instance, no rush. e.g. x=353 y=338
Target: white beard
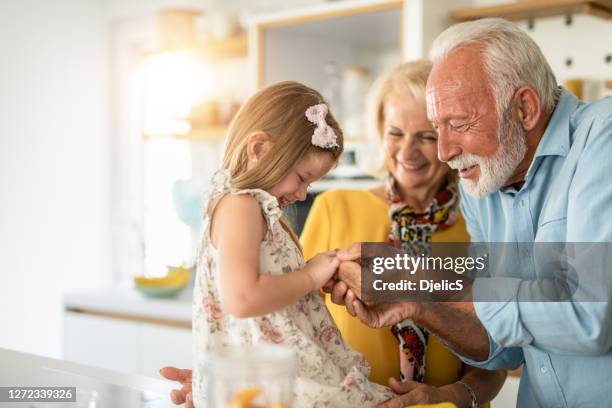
x=495 y=170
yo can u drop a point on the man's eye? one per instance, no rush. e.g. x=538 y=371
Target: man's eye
x=461 y=128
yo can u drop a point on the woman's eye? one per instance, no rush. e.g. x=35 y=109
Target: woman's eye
x=302 y=179
x=395 y=134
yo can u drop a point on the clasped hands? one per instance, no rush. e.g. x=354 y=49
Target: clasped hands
x=345 y=289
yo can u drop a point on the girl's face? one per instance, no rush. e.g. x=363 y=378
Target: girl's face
x=410 y=143
x=295 y=185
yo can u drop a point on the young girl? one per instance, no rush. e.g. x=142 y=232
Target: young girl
x=252 y=283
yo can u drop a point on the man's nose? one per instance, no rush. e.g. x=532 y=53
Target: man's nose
x=447 y=150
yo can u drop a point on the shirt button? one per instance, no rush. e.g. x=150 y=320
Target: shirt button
x=522 y=203
x=543 y=369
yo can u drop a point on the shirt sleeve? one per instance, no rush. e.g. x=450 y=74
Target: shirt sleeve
x=316 y=233
x=583 y=324
x=506 y=358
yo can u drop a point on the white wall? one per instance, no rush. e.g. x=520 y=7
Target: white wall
x=54 y=163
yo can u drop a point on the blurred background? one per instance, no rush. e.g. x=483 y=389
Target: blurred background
x=112 y=119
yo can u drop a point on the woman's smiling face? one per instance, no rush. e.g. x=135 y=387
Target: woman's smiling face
x=410 y=143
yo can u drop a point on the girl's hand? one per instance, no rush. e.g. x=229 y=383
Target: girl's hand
x=321 y=268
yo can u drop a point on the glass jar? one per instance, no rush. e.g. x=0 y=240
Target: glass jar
x=257 y=376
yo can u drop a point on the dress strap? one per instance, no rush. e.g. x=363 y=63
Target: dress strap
x=221 y=185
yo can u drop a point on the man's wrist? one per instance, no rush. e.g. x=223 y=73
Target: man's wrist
x=461 y=396
x=414 y=311
x=473 y=402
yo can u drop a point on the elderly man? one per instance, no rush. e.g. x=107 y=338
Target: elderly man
x=535 y=163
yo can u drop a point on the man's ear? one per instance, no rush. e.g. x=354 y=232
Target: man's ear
x=258 y=144
x=528 y=108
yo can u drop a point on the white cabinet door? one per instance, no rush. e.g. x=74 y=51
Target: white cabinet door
x=162 y=346
x=125 y=346
x=101 y=342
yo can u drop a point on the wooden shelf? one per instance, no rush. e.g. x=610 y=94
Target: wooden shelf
x=529 y=9
x=233 y=47
x=212 y=50
x=206 y=133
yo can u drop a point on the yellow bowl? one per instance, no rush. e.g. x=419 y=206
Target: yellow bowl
x=164 y=286
x=176 y=277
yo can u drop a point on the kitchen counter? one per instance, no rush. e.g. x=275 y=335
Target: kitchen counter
x=128 y=302
x=95 y=387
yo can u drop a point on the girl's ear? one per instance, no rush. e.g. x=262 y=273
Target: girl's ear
x=258 y=144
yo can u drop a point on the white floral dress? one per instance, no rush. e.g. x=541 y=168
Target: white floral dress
x=329 y=372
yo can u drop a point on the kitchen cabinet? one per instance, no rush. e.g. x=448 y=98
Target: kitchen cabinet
x=337 y=49
x=101 y=342
x=125 y=346
x=162 y=346
x=123 y=331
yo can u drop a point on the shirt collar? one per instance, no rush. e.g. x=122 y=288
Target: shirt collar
x=556 y=138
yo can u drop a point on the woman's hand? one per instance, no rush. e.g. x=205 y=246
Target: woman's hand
x=183 y=376
x=413 y=392
x=321 y=268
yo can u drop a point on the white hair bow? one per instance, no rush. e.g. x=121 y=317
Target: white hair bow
x=323 y=135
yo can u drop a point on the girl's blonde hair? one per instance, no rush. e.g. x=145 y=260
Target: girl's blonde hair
x=409 y=78
x=279 y=111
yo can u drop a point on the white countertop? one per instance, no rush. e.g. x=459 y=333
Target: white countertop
x=128 y=301
x=96 y=387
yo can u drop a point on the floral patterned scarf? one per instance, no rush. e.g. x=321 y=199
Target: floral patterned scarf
x=411 y=231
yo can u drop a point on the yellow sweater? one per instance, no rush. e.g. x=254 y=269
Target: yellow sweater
x=338 y=218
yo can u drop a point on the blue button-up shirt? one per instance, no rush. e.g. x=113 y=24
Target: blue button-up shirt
x=567 y=197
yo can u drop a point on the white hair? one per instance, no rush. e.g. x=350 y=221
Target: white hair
x=511 y=59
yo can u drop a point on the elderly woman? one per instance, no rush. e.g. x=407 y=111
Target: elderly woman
x=418 y=203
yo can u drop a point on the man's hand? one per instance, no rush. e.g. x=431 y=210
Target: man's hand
x=183 y=376
x=349 y=272
x=352 y=253
x=413 y=393
x=383 y=314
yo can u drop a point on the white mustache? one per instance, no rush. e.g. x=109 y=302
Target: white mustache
x=464 y=161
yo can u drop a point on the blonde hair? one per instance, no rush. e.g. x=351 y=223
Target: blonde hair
x=279 y=111
x=409 y=78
